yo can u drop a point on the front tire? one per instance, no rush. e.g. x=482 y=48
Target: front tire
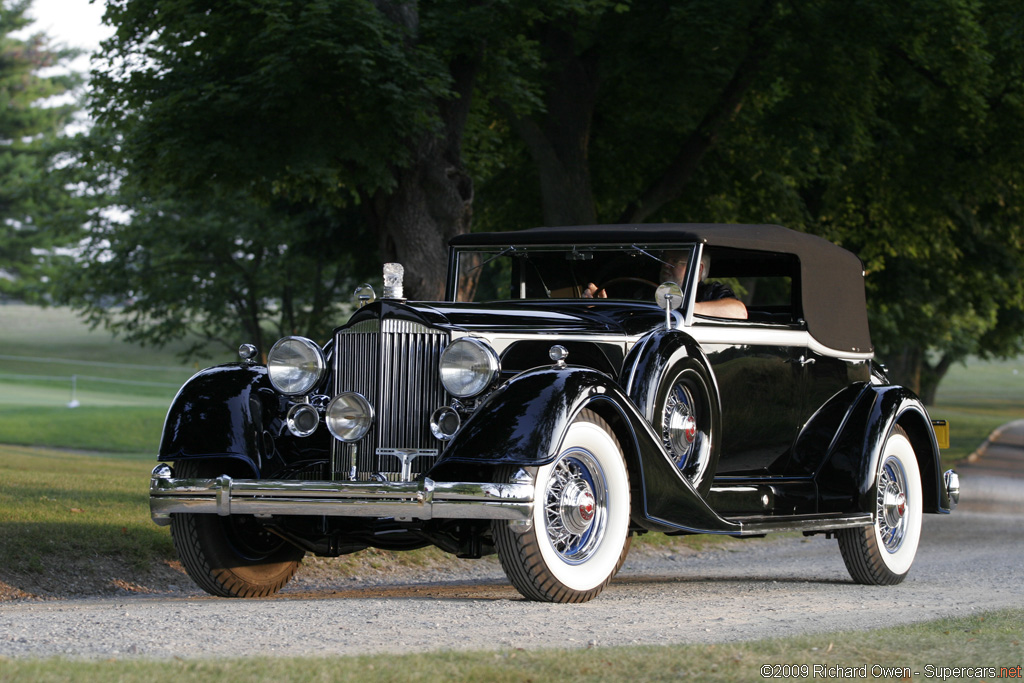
x=233 y=556
x=580 y=529
x=881 y=555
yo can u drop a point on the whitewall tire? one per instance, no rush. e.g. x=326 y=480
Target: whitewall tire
x=580 y=520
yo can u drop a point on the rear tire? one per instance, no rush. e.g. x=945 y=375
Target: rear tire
x=580 y=533
x=233 y=556
x=881 y=554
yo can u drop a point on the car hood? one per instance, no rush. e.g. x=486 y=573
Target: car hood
x=525 y=317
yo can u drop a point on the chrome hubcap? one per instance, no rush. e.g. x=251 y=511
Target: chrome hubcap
x=679 y=426
x=574 y=506
x=577 y=506
x=892 y=504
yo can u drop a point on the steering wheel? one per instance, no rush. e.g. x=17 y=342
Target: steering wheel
x=626 y=279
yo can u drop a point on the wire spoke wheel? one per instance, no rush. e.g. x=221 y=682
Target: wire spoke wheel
x=580 y=531
x=684 y=416
x=881 y=554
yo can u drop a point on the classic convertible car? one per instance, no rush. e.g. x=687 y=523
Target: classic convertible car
x=561 y=399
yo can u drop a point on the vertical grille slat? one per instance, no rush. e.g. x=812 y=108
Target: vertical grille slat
x=394 y=364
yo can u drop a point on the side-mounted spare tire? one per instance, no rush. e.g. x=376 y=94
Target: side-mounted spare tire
x=233 y=556
x=685 y=416
x=580 y=531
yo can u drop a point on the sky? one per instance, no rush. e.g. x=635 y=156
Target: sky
x=75 y=23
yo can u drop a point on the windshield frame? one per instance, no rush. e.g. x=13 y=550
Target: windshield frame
x=460 y=256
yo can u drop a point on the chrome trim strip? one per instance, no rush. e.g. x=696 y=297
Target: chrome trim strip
x=742 y=334
x=412 y=500
x=756 y=528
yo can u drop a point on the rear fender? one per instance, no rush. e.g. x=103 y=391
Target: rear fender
x=846 y=481
x=218 y=415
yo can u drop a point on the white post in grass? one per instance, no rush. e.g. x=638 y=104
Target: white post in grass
x=73 y=403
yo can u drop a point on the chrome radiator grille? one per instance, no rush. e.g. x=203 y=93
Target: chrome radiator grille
x=394 y=364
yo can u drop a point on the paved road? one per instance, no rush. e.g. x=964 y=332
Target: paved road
x=969 y=561
x=992 y=478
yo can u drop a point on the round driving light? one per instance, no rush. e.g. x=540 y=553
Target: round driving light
x=444 y=422
x=295 y=365
x=349 y=416
x=468 y=366
x=303 y=419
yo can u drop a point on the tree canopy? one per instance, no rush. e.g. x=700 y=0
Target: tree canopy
x=37 y=211
x=893 y=130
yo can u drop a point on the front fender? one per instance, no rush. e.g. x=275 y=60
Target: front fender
x=846 y=481
x=523 y=421
x=523 y=424
x=218 y=414
x=655 y=354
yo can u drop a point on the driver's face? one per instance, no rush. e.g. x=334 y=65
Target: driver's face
x=674 y=268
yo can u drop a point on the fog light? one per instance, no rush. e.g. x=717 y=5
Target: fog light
x=303 y=419
x=444 y=422
x=349 y=417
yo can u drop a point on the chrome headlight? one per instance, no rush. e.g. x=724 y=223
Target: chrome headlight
x=349 y=416
x=295 y=365
x=468 y=366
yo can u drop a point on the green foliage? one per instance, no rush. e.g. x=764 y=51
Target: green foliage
x=37 y=212
x=313 y=98
x=226 y=270
x=894 y=130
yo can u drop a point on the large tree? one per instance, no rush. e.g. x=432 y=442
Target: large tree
x=37 y=211
x=347 y=102
x=892 y=130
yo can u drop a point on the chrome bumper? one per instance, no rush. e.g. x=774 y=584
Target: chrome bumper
x=950 y=490
x=405 y=501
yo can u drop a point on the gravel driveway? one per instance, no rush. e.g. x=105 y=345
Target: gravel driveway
x=736 y=591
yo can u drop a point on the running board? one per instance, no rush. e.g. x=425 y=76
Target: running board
x=757 y=526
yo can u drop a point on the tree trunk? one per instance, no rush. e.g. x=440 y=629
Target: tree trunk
x=559 y=141
x=909 y=367
x=931 y=377
x=433 y=197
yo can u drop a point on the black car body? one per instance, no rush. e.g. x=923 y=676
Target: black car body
x=522 y=417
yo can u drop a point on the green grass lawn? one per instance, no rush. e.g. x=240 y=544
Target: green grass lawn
x=122 y=390
x=976 y=399
x=59 y=511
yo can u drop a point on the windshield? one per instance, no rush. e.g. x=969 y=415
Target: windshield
x=566 y=272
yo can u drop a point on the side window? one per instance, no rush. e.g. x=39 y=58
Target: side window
x=768 y=284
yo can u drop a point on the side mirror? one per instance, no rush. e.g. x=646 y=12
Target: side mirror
x=363 y=295
x=670 y=298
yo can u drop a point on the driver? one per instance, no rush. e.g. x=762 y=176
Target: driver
x=713 y=298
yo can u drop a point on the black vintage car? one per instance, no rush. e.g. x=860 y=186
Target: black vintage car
x=566 y=395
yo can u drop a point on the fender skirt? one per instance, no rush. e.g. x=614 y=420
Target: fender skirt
x=218 y=414
x=846 y=480
x=523 y=424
